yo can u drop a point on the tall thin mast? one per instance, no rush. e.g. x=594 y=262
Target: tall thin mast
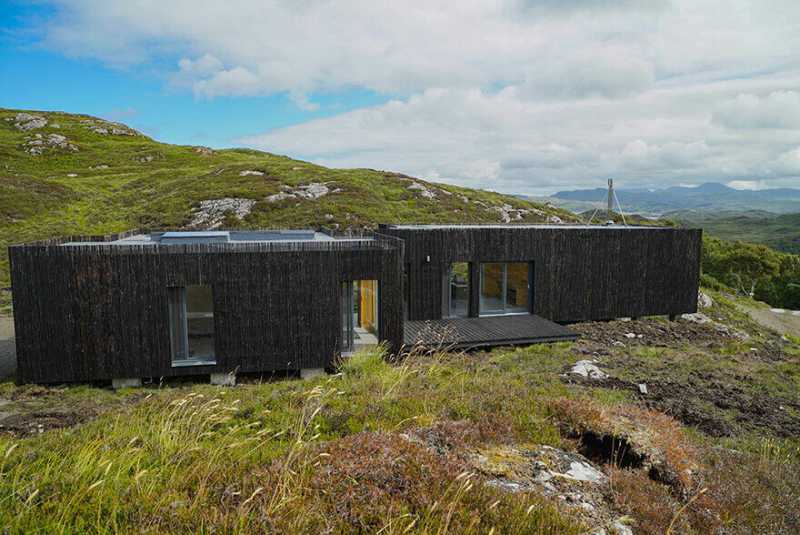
x=610 y=209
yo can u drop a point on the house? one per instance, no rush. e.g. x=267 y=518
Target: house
x=164 y=304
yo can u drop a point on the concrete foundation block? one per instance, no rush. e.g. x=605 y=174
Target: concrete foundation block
x=223 y=379
x=311 y=373
x=126 y=382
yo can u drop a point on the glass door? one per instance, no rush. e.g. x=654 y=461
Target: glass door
x=348 y=324
x=455 y=302
x=505 y=288
x=360 y=318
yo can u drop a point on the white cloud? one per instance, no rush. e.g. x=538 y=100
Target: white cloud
x=779 y=109
x=746 y=184
x=513 y=95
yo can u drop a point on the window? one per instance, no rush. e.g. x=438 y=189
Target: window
x=191 y=322
x=455 y=303
x=359 y=315
x=505 y=288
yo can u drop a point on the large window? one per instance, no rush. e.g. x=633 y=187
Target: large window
x=505 y=288
x=359 y=315
x=191 y=323
x=455 y=302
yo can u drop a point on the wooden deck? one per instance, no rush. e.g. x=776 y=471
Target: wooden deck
x=468 y=333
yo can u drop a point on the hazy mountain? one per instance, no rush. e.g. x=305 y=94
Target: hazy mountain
x=707 y=197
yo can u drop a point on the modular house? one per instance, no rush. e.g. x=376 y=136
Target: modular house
x=161 y=304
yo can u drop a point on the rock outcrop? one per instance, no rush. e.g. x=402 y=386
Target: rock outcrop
x=312 y=191
x=28 y=121
x=38 y=144
x=211 y=213
x=108 y=128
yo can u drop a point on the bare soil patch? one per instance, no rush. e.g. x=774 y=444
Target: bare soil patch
x=32 y=409
x=702 y=390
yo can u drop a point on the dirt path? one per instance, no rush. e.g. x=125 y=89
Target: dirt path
x=8 y=355
x=784 y=322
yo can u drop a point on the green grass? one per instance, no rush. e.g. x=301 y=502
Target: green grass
x=242 y=459
x=327 y=454
x=38 y=198
x=781 y=232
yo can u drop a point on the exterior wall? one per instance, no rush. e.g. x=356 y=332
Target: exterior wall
x=579 y=274
x=96 y=312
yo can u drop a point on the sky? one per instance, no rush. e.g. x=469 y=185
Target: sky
x=517 y=96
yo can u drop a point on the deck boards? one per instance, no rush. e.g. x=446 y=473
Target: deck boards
x=467 y=333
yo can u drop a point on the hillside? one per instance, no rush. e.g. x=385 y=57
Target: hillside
x=781 y=232
x=549 y=438
x=64 y=174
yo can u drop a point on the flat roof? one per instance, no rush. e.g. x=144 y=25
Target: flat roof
x=227 y=236
x=523 y=226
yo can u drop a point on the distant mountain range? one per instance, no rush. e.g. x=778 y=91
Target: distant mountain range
x=711 y=197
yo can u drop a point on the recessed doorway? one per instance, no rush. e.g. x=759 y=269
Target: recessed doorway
x=359 y=315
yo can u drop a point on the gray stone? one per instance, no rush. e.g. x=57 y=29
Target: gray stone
x=697 y=317
x=588 y=369
x=282 y=196
x=27 y=121
x=618 y=528
x=554 y=220
x=704 y=300
x=38 y=144
x=211 y=212
x=223 y=379
x=126 y=382
x=423 y=191
x=315 y=190
x=251 y=173
x=311 y=373
x=582 y=471
x=508 y=213
x=312 y=191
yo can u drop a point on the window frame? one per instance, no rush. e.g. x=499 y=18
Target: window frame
x=177 y=302
x=447 y=301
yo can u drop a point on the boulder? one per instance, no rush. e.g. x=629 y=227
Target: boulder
x=423 y=191
x=704 y=300
x=27 y=121
x=211 y=213
x=588 y=369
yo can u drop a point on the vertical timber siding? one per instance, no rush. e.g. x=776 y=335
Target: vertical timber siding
x=96 y=312
x=579 y=273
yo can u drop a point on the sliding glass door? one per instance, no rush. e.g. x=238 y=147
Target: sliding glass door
x=505 y=288
x=455 y=300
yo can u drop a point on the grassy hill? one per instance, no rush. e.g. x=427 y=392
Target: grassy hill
x=781 y=232
x=506 y=441
x=64 y=174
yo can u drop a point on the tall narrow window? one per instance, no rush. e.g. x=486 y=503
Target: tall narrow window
x=505 y=288
x=360 y=319
x=455 y=302
x=191 y=313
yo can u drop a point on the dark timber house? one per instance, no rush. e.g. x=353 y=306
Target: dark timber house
x=219 y=302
